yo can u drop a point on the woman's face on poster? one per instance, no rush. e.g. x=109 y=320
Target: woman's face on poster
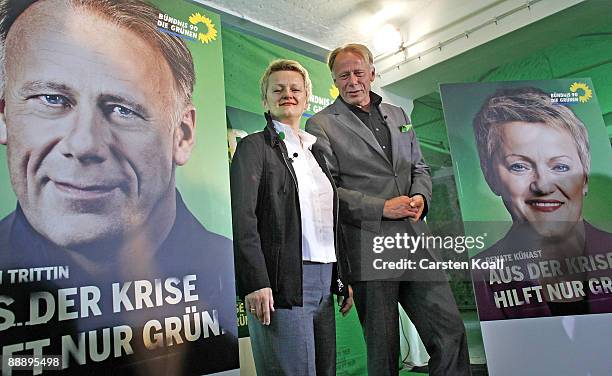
x=540 y=177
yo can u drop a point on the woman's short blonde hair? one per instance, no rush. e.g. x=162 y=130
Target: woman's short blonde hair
x=529 y=105
x=282 y=65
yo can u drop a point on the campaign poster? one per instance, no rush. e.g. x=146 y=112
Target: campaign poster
x=115 y=255
x=532 y=164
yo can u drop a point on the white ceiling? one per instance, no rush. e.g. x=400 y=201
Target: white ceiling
x=432 y=31
x=324 y=23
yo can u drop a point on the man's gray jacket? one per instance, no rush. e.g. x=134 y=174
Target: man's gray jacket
x=364 y=176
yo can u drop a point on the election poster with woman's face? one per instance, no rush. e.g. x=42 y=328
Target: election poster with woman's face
x=532 y=165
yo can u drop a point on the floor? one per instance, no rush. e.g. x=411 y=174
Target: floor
x=475 y=345
x=351 y=347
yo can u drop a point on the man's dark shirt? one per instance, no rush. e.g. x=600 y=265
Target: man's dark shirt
x=375 y=122
x=188 y=249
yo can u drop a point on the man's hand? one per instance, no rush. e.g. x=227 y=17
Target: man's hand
x=397 y=207
x=261 y=304
x=417 y=205
x=404 y=206
x=346 y=303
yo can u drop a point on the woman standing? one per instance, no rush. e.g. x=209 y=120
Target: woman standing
x=284 y=209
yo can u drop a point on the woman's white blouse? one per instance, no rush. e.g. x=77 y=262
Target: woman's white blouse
x=315 y=194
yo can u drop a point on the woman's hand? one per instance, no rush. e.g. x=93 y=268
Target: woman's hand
x=346 y=303
x=261 y=304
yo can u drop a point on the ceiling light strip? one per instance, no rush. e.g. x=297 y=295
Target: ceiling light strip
x=440 y=45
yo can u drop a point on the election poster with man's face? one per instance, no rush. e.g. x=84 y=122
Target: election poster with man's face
x=114 y=206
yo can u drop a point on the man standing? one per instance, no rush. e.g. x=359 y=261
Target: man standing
x=381 y=176
x=96 y=113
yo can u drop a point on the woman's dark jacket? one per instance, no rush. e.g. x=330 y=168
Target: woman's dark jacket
x=266 y=219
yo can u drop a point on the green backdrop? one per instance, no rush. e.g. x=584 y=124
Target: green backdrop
x=245 y=59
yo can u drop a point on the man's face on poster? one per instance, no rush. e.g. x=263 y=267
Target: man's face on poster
x=91 y=122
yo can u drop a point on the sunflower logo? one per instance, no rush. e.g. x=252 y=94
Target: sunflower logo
x=334 y=92
x=211 y=32
x=585 y=92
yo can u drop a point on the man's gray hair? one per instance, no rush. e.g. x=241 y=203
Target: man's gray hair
x=355 y=48
x=137 y=16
